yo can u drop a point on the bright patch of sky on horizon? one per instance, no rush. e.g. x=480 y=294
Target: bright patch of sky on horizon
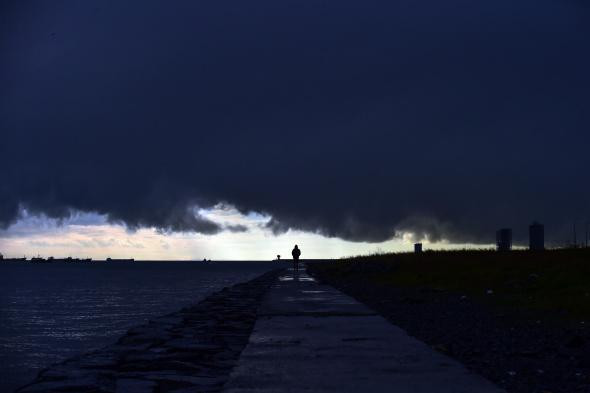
x=245 y=238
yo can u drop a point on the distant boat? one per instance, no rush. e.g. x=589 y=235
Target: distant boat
x=120 y=260
x=23 y=259
x=68 y=259
x=38 y=259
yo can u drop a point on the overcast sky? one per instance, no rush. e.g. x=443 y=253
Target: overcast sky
x=363 y=124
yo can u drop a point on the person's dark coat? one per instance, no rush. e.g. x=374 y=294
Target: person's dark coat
x=296 y=252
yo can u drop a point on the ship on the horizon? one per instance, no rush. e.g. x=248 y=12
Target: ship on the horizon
x=68 y=259
x=40 y=259
x=2 y=259
x=109 y=259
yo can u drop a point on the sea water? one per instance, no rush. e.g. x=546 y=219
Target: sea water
x=50 y=312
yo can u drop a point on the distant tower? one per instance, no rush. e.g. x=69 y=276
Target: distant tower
x=418 y=248
x=536 y=236
x=504 y=239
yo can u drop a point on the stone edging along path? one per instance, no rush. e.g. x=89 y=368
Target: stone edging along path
x=192 y=350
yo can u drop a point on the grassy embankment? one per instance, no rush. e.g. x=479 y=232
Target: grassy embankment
x=552 y=280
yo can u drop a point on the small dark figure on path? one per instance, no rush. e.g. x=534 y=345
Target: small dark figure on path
x=296 y=252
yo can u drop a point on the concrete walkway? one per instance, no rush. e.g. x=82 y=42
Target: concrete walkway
x=311 y=337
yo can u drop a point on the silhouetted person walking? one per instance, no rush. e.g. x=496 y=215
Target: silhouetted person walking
x=296 y=252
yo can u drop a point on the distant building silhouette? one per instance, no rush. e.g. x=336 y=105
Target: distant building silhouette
x=418 y=248
x=504 y=239
x=536 y=236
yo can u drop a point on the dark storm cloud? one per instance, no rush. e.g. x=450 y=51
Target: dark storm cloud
x=236 y=228
x=352 y=119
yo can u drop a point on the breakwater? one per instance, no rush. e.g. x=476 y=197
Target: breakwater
x=193 y=349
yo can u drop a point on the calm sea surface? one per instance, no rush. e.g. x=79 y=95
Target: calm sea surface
x=49 y=312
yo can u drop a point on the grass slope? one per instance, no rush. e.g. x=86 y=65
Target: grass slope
x=551 y=280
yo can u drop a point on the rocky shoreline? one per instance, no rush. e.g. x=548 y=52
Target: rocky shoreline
x=192 y=350
x=520 y=352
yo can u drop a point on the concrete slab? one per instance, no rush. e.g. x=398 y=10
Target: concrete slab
x=311 y=337
x=298 y=294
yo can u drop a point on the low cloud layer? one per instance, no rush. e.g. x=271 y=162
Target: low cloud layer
x=359 y=121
